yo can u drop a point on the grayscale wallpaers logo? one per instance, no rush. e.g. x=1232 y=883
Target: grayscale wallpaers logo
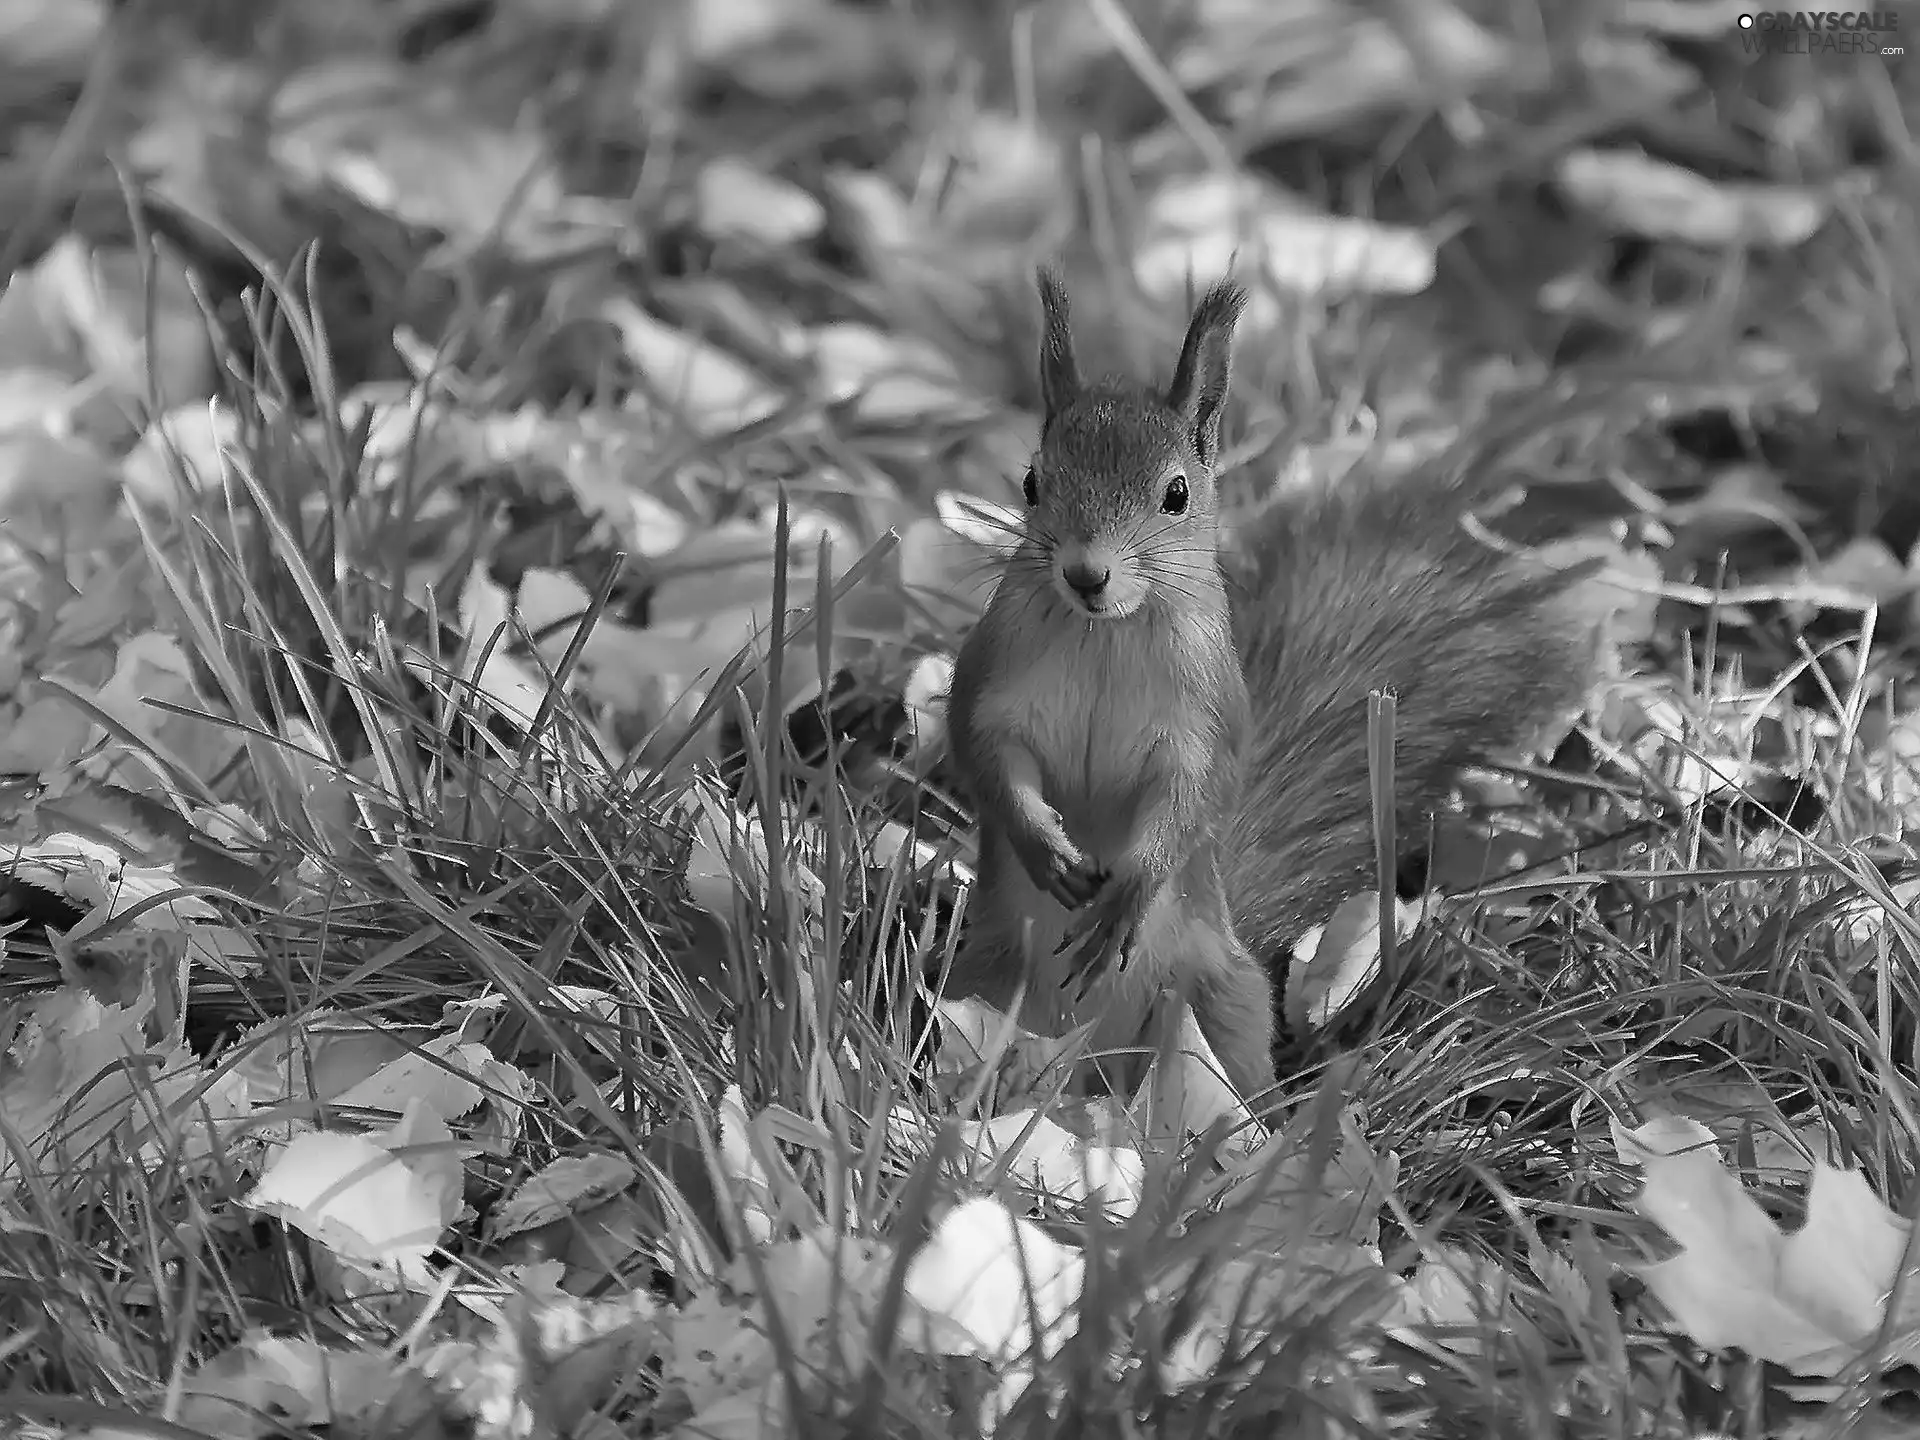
x=1821 y=32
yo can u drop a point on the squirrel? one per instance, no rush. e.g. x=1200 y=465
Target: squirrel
x=1168 y=757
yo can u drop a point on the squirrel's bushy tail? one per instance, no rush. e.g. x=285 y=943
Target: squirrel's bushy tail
x=1371 y=584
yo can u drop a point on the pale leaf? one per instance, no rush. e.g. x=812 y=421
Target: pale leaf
x=1640 y=195
x=353 y=1194
x=1335 y=962
x=714 y=391
x=1046 y=1155
x=736 y=200
x=1186 y=1092
x=569 y=1183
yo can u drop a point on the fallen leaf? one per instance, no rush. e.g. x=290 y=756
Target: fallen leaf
x=889 y=378
x=979 y=1284
x=971 y=1034
x=547 y=601
x=1038 y=1151
x=735 y=200
x=50 y=476
x=1009 y=185
x=791 y=50
x=97 y=877
x=1810 y=1301
x=949 y=571
x=1204 y=226
x=727 y=863
x=40 y=737
x=412 y=151
x=1185 y=1092
x=1693 y=760
x=709 y=387
x=125 y=307
x=573 y=1181
x=925 y=695
x=891 y=842
x=444 y=1076
x=574 y=1357
x=1245 y=1299
x=51 y=40
x=151 y=670
x=1300 y=80
x=824 y=1285
x=1288 y=1191
x=1333 y=963
x=76 y=1073
x=193 y=437
x=753 y=1197
x=1455 y=1299
x=266 y=1384
x=1639 y=195
x=355 y=1195
x=322 y=1055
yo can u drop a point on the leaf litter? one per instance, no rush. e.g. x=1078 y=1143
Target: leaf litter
x=343 y=606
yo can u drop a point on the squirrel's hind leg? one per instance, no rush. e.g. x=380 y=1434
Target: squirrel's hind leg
x=993 y=956
x=1232 y=1000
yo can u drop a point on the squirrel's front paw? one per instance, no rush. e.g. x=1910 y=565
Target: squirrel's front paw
x=1104 y=940
x=1057 y=867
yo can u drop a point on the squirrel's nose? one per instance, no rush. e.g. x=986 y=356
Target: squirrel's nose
x=1086 y=580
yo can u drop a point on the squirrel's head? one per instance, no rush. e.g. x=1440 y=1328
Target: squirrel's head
x=1121 y=498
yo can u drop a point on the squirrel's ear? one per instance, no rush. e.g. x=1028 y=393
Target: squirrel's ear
x=1059 y=371
x=1199 y=385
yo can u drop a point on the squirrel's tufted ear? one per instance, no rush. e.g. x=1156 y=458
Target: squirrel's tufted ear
x=1199 y=387
x=1059 y=371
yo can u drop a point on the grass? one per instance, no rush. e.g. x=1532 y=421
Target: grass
x=421 y=846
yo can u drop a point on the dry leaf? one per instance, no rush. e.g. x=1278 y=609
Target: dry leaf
x=1249 y=1297
x=735 y=200
x=1639 y=195
x=414 y=152
x=1046 y=1155
x=709 y=387
x=573 y=1182
x=1333 y=963
x=379 y=1200
x=1185 y=1092
x=266 y=1384
x=50 y=479
x=194 y=437
x=77 y=1073
x=979 y=1283
x=1465 y=1296
x=1866 y=568
x=1301 y=76
x=1202 y=227
x=890 y=378
x=124 y=308
x=1810 y=1301
x=1010 y=188
x=51 y=40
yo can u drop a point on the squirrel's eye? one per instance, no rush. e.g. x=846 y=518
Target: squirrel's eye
x=1175 y=501
x=1031 y=490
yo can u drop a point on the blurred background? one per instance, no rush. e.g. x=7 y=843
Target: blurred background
x=655 y=260
x=1559 y=179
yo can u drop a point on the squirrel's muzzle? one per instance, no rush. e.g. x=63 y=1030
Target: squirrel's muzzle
x=1087 y=579
x=1098 y=579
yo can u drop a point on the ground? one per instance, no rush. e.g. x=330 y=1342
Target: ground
x=477 y=480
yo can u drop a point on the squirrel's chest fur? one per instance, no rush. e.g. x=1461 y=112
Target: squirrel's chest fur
x=1094 y=700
